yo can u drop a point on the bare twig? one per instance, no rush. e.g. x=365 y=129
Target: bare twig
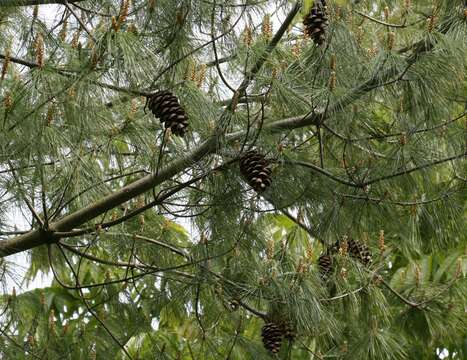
x=83 y=25
x=385 y=23
x=28 y=204
x=122 y=346
x=7 y=3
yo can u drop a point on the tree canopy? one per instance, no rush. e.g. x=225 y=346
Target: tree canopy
x=233 y=179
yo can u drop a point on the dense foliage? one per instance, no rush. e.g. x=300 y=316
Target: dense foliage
x=194 y=175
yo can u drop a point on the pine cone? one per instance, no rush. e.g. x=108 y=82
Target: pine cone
x=255 y=168
x=360 y=251
x=325 y=265
x=316 y=22
x=166 y=107
x=272 y=337
x=288 y=331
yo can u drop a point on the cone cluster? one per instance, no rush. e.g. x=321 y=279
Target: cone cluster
x=316 y=22
x=255 y=168
x=165 y=106
x=272 y=335
x=356 y=249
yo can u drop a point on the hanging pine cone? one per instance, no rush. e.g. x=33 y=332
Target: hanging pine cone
x=360 y=251
x=272 y=337
x=288 y=331
x=255 y=168
x=166 y=107
x=316 y=21
x=325 y=265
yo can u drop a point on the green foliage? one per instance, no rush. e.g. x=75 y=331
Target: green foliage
x=157 y=248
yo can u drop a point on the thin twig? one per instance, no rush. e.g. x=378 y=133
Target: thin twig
x=122 y=346
x=385 y=23
x=7 y=3
x=403 y=299
x=67 y=5
x=28 y=204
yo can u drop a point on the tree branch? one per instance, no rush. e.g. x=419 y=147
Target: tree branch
x=35 y=238
x=421 y=167
x=211 y=145
x=323 y=172
x=378 y=179
x=385 y=23
x=83 y=25
x=7 y=3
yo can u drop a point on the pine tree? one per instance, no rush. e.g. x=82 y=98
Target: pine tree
x=233 y=179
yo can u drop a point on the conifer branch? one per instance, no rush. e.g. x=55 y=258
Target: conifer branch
x=104 y=261
x=322 y=171
x=8 y=3
x=148 y=269
x=378 y=179
x=90 y=310
x=196 y=49
x=264 y=56
x=19 y=61
x=252 y=310
x=3 y=333
x=308 y=229
x=72 y=74
x=416 y=168
x=399 y=296
x=28 y=204
x=117 y=281
x=36 y=237
x=400 y=203
x=397 y=134
x=161 y=244
x=400 y=26
x=83 y=25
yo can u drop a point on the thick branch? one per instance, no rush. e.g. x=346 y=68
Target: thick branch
x=36 y=237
